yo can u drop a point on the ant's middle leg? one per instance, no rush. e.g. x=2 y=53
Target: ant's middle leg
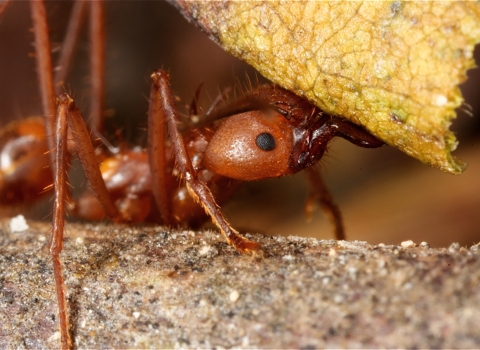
x=157 y=157
x=44 y=68
x=97 y=56
x=67 y=50
x=97 y=63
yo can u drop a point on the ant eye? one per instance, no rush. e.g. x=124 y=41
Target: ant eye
x=266 y=141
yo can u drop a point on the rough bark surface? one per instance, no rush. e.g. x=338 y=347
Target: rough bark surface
x=152 y=287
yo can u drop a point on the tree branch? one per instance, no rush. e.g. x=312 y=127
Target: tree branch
x=152 y=287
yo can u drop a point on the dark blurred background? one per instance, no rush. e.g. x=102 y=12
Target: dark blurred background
x=385 y=196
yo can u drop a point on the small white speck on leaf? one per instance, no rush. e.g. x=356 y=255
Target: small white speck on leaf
x=441 y=100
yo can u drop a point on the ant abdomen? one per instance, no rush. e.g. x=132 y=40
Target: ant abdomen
x=24 y=163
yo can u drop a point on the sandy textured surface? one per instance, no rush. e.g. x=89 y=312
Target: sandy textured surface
x=152 y=287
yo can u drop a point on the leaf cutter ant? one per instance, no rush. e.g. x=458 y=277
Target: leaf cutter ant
x=268 y=132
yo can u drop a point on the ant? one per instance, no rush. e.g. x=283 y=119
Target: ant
x=266 y=133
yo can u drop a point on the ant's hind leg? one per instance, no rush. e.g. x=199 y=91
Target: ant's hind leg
x=68 y=116
x=197 y=189
x=56 y=244
x=319 y=192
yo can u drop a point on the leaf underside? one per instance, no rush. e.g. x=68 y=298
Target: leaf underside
x=393 y=67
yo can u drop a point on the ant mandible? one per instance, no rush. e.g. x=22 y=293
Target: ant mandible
x=268 y=132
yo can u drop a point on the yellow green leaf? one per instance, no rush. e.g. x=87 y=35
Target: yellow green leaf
x=393 y=67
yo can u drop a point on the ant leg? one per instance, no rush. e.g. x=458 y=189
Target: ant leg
x=97 y=62
x=56 y=244
x=197 y=189
x=68 y=46
x=326 y=130
x=157 y=157
x=86 y=154
x=353 y=133
x=44 y=68
x=69 y=116
x=319 y=192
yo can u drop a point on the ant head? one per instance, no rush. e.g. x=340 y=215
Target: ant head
x=251 y=146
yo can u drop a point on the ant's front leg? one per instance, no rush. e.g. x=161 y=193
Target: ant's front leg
x=353 y=133
x=325 y=130
x=319 y=192
x=69 y=116
x=197 y=189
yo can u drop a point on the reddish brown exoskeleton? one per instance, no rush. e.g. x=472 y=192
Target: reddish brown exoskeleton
x=268 y=132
